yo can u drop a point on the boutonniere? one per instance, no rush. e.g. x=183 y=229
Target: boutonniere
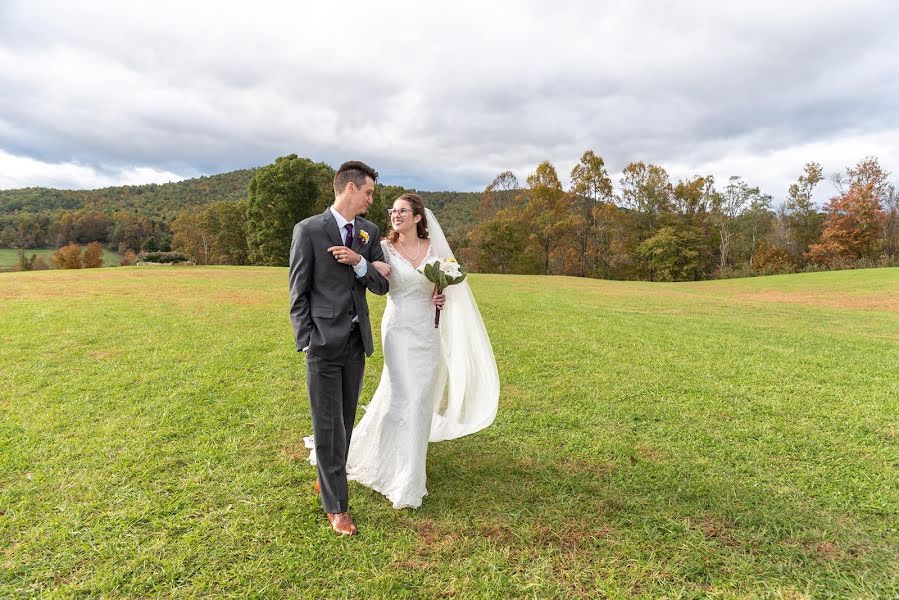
x=363 y=237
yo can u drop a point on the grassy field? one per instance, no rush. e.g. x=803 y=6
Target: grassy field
x=730 y=439
x=9 y=258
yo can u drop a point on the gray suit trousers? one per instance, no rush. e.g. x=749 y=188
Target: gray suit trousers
x=334 y=385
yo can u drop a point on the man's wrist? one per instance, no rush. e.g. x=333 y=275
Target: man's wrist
x=360 y=268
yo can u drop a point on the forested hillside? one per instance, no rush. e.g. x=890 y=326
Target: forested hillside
x=152 y=200
x=644 y=226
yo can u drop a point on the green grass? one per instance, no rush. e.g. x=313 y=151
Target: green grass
x=731 y=439
x=9 y=257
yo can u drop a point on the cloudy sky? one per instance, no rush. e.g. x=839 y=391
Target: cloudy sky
x=444 y=96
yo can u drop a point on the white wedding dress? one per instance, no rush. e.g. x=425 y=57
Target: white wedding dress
x=390 y=444
x=437 y=383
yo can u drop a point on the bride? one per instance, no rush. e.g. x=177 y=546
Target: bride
x=437 y=383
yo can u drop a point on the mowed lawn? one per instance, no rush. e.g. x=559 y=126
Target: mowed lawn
x=727 y=438
x=9 y=257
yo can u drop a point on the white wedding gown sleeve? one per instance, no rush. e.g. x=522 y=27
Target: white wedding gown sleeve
x=437 y=384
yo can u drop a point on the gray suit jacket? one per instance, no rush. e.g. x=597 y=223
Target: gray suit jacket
x=323 y=292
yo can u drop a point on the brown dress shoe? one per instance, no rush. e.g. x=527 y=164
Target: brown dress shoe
x=317 y=487
x=342 y=523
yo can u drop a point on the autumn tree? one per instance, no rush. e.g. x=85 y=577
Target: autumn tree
x=7 y=237
x=227 y=221
x=891 y=222
x=29 y=230
x=693 y=197
x=497 y=241
x=214 y=234
x=500 y=245
x=549 y=218
x=68 y=257
x=673 y=254
x=132 y=231
x=645 y=194
x=852 y=228
x=755 y=222
x=692 y=201
x=93 y=256
x=855 y=218
x=780 y=233
x=63 y=231
x=590 y=185
x=646 y=190
x=129 y=258
x=867 y=172
x=614 y=242
x=534 y=232
x=726 y=207
x=190 y=237
x=769 y=258
x=802 y=217
x=499 y=194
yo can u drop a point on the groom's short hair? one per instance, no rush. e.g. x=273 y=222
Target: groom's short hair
x=353 y=171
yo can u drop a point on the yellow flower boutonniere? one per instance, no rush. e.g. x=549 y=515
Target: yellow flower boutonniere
x=363 y=235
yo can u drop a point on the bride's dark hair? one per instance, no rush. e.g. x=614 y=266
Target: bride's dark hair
x=418 y=208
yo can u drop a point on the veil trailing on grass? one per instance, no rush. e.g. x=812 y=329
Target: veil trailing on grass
x=468 y=381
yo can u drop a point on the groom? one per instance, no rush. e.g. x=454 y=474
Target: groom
x=330 y=269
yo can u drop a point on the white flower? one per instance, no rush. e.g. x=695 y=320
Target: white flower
x=450 y=268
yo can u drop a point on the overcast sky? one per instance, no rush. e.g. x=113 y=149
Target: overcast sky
x=444 y=96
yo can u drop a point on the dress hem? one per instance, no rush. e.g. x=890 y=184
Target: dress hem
x=396 y=504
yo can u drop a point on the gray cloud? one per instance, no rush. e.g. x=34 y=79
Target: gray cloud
x=445 y=97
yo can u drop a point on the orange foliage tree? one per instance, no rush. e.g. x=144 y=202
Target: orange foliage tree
x=129 y=258
x=852 y=228
x=68 y=257
x=93 y=256
x=855 y=219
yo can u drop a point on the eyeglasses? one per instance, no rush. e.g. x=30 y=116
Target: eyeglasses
x=401 y=211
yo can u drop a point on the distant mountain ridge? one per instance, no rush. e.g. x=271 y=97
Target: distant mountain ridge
x=456 y=210
x=162 y=200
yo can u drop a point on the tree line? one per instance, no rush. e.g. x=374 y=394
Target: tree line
x=697 y=228
x=647 y=227
x=132 y=217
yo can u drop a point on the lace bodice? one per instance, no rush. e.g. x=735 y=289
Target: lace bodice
x=406 y=281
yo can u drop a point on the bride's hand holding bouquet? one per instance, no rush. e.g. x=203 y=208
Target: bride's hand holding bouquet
x=443 y=273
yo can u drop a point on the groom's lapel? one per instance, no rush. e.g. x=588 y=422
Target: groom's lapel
x=331 y=227
x=357 y=237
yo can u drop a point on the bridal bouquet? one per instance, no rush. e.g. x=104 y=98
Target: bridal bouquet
x=443 y=273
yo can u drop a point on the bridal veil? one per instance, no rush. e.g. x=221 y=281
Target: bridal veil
x=468 y=381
